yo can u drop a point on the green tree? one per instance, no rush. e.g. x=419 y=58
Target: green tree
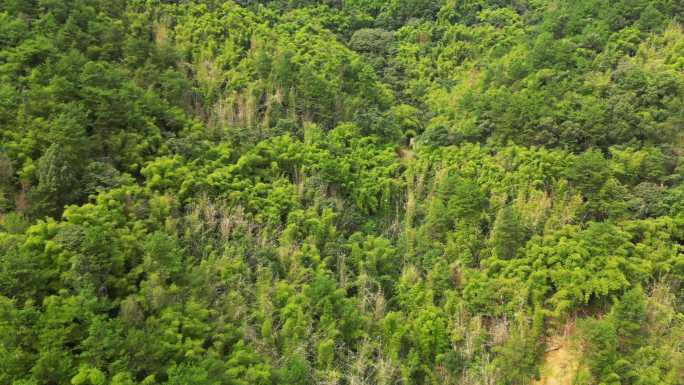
x=508 y=233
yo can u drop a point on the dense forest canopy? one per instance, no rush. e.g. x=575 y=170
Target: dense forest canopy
x=340 y=192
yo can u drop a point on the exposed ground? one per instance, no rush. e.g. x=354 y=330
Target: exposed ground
x=561 y=361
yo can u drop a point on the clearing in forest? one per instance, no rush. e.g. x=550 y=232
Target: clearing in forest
x=561 y=362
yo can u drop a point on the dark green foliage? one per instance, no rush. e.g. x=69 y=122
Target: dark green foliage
x=601 y=350
x=508 y=233
x=629 y=315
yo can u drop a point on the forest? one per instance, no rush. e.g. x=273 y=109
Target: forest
x=341 y=192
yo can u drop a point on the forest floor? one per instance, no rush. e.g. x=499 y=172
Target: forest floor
x=561 y=362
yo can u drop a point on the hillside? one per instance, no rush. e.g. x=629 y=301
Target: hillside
x=341 y=192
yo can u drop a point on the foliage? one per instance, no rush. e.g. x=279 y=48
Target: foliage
x=348 y=192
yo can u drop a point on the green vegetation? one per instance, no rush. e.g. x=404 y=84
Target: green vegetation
x=340 y=192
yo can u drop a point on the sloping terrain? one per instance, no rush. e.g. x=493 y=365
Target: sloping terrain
x=560 y=363
x=341 y=192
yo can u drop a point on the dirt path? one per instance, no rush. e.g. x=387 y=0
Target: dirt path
x=561 y=363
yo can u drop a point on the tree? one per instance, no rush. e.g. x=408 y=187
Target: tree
x=508 y=233
x=600 y=349
x=628 y=316
x=57 y=182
